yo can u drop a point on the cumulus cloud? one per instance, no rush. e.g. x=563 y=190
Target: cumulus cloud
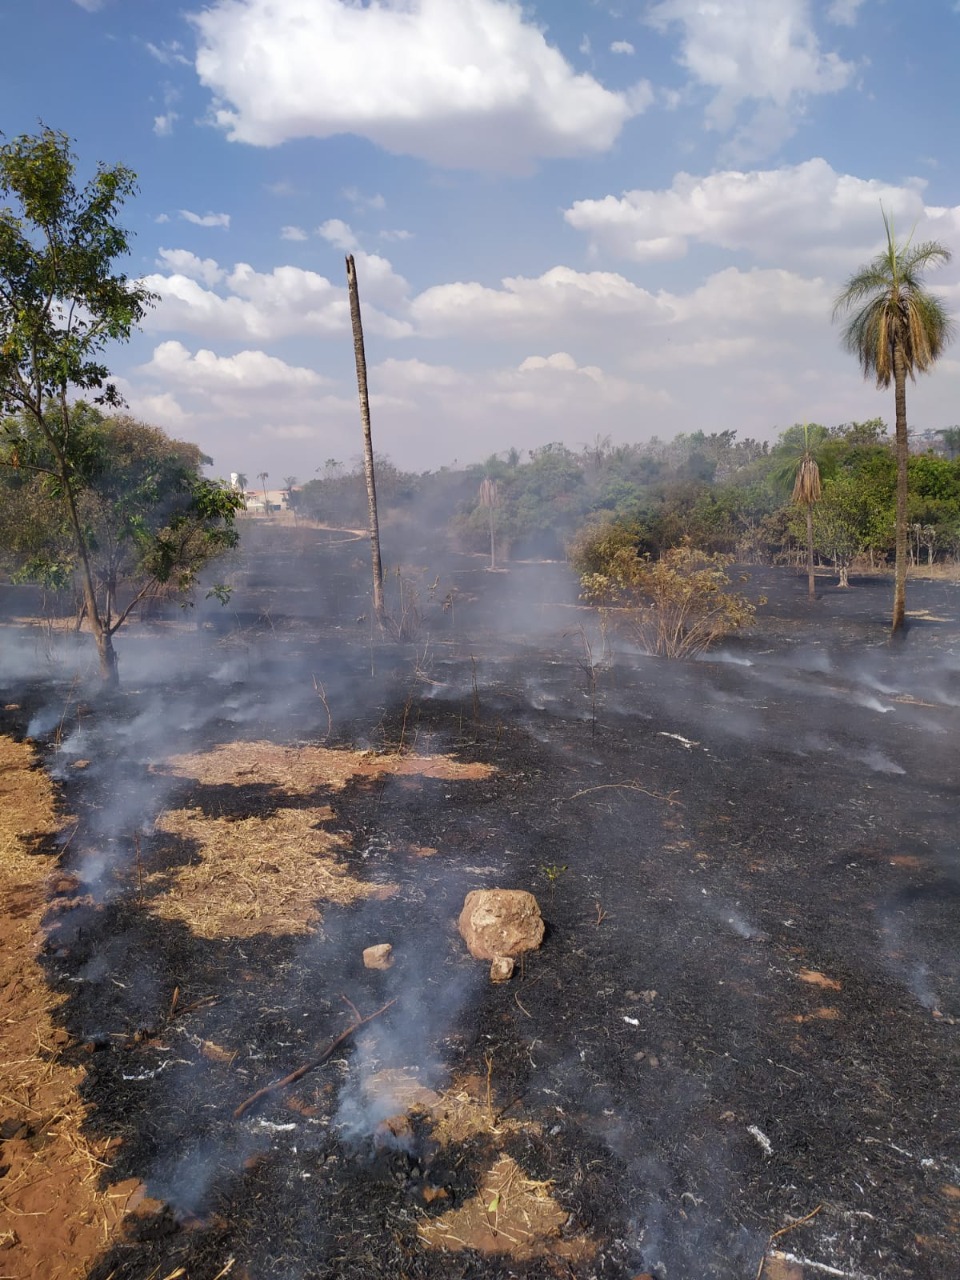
x=561 y=297
x=292 y=233
x=459 y=83
x=185 y=263
x=339 y=234
x=200 y=297
x=805 y=213
x=247 y=371
x=622 y=46
x=764 y=52
x=205 y=219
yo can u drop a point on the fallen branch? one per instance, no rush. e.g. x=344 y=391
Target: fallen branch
x=300 y=1072
x=670 y=797
x=791 y=1226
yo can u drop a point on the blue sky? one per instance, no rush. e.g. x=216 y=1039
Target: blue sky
x=571 y=218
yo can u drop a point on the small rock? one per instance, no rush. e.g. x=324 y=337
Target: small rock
x=379 y=956
x=500 y=922
x=502 y=969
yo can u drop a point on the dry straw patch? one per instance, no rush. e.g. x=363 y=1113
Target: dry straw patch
x=301 y=770
x=455 y=1115
x=268 y=874
x=510 y=1214
x=258 y=875
x=54 y=1220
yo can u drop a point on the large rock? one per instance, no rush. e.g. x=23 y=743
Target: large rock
x=500 y=922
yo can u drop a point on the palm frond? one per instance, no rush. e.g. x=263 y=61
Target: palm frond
x=806 y=488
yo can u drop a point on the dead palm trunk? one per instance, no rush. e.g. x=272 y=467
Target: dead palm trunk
x=903 y=453
x=361 y=361
x=488 y=499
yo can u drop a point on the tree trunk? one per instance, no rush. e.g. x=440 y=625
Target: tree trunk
x=902 y=445
x=101 y=632
x=361 y=361
x=493 y=541
x=811 y=584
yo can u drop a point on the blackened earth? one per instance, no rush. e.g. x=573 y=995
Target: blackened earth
x=747 y=1002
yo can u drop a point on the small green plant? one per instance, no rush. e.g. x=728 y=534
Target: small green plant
x=552 y=872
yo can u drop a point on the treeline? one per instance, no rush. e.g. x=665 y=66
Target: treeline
x=715 y=492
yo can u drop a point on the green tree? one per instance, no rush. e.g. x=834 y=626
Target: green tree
x=896 y=329
x=151 y=521
x=63 y=300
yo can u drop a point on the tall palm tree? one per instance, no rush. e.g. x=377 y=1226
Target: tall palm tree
x=263 y=477
x=896 y=328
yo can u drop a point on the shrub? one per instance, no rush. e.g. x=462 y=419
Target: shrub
x=673 y=607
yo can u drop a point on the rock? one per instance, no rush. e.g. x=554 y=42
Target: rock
x=502 y=969
x=378 y=957
x=500 y=922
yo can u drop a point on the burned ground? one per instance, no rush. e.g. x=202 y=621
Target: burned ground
x=744 y=1009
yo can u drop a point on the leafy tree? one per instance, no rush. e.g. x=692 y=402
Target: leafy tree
x=151 y=521
x=842 y=523
x=63 y=299
x=896 y=328
x=951 y=441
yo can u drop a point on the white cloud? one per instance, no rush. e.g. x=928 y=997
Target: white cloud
x=247 y=371
x=243 y=304
x=461 y=83
x=169 y=53
x=844 y=12
x=764 y=52
x=360 y=201
x=162 y=217
x=395 y=235
x=163 y=125
x=206 y=219
x=798 y=213
x=339 y=234
x=185 y=263
x=622 y=46
x=559 y=299
x=91 y=6
x=292 y=233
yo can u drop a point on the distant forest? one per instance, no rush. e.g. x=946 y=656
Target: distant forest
x=713 y=492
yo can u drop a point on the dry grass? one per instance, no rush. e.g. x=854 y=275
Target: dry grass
x=457 y=1114
x=257 y=875
x=301 y=771
x=55 y=1219
x=269 y=874
x=510 y=1214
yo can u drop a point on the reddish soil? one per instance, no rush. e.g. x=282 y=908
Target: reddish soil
x=736 y=1051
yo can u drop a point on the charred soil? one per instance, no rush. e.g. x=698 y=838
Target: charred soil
x=745 y=1010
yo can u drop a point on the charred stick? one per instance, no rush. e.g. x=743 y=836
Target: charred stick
x=791 y=1226
x=300 y=1072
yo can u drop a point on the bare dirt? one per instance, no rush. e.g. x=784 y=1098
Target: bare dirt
x=735 y=1054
